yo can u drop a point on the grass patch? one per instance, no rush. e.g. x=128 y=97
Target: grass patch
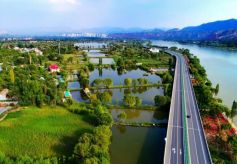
x=46 y=132
x=162 y=61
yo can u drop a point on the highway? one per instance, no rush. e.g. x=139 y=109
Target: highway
x=185 y=140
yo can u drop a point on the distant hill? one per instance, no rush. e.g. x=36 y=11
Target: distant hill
x=214 y=26
x=225 y=30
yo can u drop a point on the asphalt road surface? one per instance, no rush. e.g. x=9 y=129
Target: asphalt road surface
x=185 y=141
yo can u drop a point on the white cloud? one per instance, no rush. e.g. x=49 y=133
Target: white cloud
x=64 y=5
x=59 y=2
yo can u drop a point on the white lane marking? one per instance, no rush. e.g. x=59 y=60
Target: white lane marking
x=180 y=151
x=175 y=126
x=198 y=123
x=192 y=123
x=178 y=117
x=171 y=117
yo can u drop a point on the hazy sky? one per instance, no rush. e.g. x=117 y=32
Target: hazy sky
x=66 y=15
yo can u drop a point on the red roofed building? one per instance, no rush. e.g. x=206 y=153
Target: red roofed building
x=54 y=68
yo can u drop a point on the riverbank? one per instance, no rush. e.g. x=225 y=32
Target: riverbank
x=143 y=124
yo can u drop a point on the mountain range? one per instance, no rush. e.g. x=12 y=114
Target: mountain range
x=225 y=30
x=220 y=31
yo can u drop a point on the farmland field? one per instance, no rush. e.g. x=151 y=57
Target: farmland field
x=46 y=132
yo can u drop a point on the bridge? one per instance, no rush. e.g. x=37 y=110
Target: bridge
x=185 y=140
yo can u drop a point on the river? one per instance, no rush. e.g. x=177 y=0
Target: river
x=220 y=64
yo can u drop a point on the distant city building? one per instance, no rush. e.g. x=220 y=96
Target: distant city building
x=91 y=35
x=90 y=45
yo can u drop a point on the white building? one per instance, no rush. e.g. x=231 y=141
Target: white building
x=154 y=50
x=3 y=94
x=27 y=50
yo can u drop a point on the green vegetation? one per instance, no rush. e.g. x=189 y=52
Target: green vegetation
x=27 y=78
x=122 y=116
x=108 y=82
x=234 y=109
x=162 y=101
x=46 y=132
x=132 y=101
x=62 y=130
x=94 y=147
x=128 y=54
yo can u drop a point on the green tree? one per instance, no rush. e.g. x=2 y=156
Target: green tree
x=12 y=75
x=93 y=148
x=128 y=81
x=122 y=116
x=217 y=89
x=70 y=59
x=97 y=82
x=234 y=109
x=102 y=117
x=138 y=101
x=167 y=78
x=91 y=67
x=134 y=82
x=108 y=82
x=132 y=101
x=106 y=97
x=84 y=82
x=161 y=101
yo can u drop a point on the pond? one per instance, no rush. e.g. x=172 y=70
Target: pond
x=95 y=54
x=146 y=94
x=108 y=61
x=118 y=78
x=73 y=85
x=94 y=60
x=79 y=96
x=132 y=145
x=139 y=116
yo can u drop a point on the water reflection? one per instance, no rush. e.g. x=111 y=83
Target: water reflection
x=139 y=116
x=132 y=145
x=118 y=77
x=73 y=85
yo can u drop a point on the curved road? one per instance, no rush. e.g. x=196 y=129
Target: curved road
x=185 y=141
